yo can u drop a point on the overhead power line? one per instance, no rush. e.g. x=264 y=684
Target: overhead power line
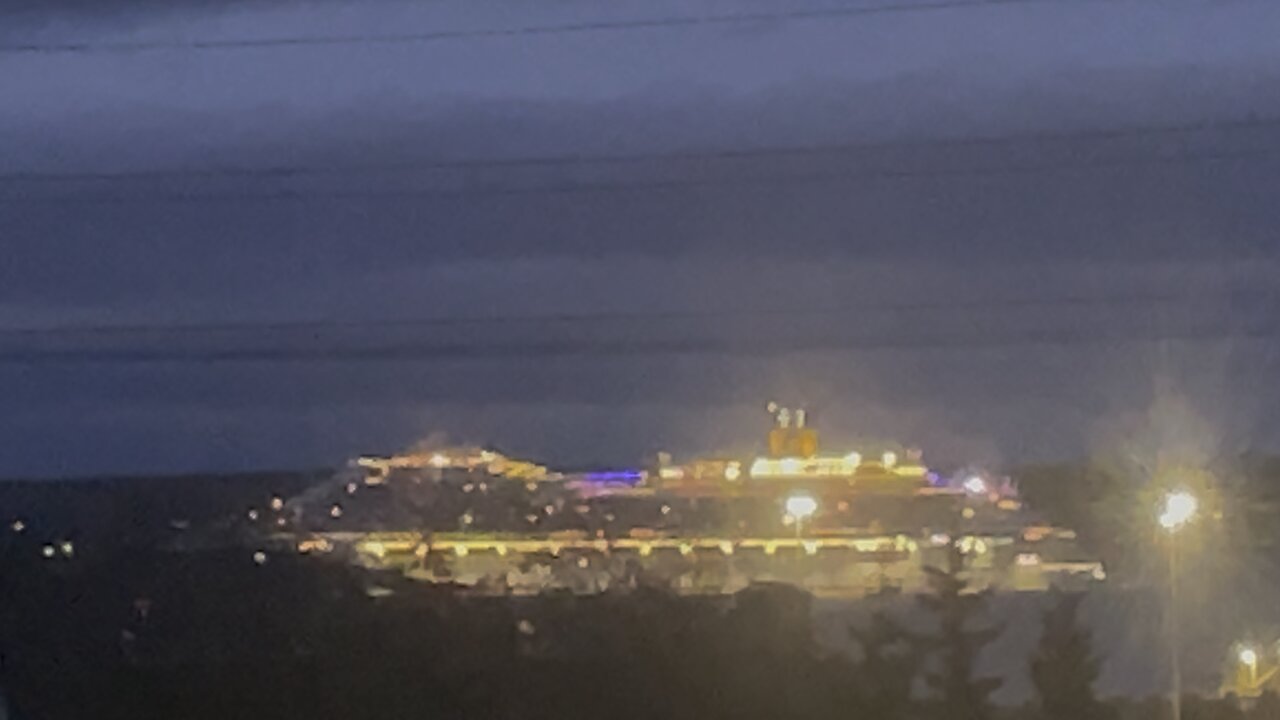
x=586 y=319
x=738 y=18
x=285 y=172
x=741 y=345
x=574 y=188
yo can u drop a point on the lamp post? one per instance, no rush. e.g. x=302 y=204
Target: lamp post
x=800 y=507
x=1249 y=658
x=1178 y=510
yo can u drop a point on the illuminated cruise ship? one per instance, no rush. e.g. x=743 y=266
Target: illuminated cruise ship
x=843 y=524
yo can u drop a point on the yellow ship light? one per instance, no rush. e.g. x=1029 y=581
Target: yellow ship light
x=826 y=466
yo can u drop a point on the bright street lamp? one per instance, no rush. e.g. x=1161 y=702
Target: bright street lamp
x=1179 y=509
x=800 y=507
x=1249 y=658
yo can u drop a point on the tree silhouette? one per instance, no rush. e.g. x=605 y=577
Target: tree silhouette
x=890 y=663
x=1064 y=668
x=1266 y=708
x=959 y=694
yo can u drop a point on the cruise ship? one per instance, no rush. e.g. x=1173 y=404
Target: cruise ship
x=844 y=524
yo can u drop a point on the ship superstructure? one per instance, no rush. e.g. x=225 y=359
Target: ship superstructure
x=847 y=523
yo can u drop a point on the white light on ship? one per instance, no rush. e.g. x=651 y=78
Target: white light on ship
x=890 y=459
x=975 y=485
x=732 y=471
x=801 y=506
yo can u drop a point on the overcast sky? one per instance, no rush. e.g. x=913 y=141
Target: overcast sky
x=909 y=266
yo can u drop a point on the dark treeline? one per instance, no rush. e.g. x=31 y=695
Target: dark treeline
x=215 y=635
x=141 y=510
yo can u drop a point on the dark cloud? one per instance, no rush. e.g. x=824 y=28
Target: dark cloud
x=911 y=217
x=1084 y=198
